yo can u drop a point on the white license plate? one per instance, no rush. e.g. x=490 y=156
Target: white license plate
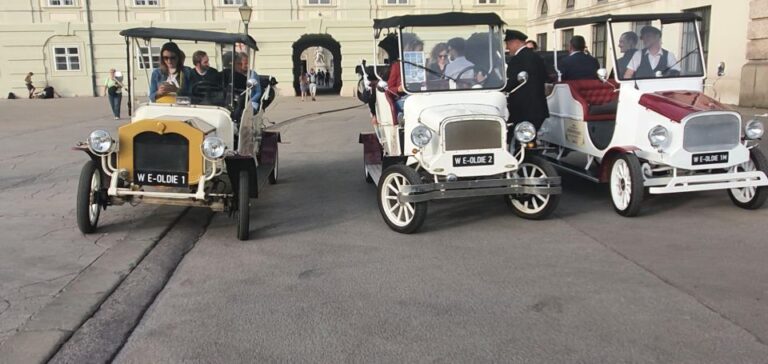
x=709 y=158
x=151 y=178
x=469 y=160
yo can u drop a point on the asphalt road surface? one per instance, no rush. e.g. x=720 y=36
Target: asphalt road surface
x=324 y=280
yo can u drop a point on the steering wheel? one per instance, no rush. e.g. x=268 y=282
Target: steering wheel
x=467 y=81
x=204 y=89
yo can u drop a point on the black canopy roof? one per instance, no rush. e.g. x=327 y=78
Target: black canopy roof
x=187 y=34
x=665 y=18
x=434 y=20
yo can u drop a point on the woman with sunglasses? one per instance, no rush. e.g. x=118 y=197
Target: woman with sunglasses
x=172 y=77
x=438 y=60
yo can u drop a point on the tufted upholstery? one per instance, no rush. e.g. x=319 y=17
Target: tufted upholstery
x=593 y=93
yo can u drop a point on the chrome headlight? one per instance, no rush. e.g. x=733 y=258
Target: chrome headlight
x=100 y=142
x=754 y=130
x=213 y=147
x=421 y=135
x=659 y=136
x=525 y=132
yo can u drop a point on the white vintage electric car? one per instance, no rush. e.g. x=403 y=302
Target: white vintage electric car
x=649 y=127
x=450 y=140
x=206 y=149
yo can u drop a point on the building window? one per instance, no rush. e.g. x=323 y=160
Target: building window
x=318 y=2
x=567 y=34
x=145 y=2
x=689 y=39
x=144 y=57
x=398 y=2
x=541 y=38
x=487 y=2
x=66 y=58
x=599 y=43
x=544 y=10
x=570 y=4
x=61 y=2
x=231 y=2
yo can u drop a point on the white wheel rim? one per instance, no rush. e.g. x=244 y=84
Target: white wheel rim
x=745 y=194
x=400 y=214
x=93 y=206
x=621 y=184
x=534 y=203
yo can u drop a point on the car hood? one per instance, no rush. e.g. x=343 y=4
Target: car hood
x=676 y=105
x=435 y=115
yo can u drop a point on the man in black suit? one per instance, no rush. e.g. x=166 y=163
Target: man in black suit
x=578 y=65
x=529 y=103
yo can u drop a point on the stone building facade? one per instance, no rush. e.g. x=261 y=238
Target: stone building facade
x=55 y=39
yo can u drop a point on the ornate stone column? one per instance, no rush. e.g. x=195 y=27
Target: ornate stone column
x=754 y=75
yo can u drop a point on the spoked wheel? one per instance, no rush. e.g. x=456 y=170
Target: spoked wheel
x=751 y=197
x=403 y=217
x=627 y=185
x=243 y=206
x=534 y=206
x=88 y=206
x=275 y=172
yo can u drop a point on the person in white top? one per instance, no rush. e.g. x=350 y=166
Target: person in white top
x=459 y=65
x=652 y=58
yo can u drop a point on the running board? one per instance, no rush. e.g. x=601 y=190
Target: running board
x=571 y=169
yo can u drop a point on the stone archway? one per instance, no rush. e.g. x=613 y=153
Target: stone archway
x=317 y=40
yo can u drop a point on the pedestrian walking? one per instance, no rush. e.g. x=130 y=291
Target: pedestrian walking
x=304 y=85
x=113 y=88
x=312 y=83
x=30 y=86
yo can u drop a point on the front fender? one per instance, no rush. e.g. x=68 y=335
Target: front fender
x=610 y=156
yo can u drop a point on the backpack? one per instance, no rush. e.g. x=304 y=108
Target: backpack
x=12 y=96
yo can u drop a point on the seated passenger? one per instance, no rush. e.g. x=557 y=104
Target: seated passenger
x=459 y=65
x=240 y=82
x=438 y=60
x=628 y=46
x=203 y=70
x=578 y=65
x=652 y=58
x=392 y=77
x=172 y=77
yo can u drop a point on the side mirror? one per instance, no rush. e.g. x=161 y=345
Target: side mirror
x=602 y=74
x=721 y=69
x=659 y=74
x=522 y=77
x=251 y=83
x=119 y=75
x=382 y=86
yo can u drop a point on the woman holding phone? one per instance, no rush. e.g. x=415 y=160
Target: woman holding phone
x=172 y=77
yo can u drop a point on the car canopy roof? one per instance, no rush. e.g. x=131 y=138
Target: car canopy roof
x=665 y=18
x=436 y=20
x=187 y=34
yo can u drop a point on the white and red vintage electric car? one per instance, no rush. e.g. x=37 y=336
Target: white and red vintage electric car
x=649 y=128
x=450 y=140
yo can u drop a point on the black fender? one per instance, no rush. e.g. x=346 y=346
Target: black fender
x=235 y=164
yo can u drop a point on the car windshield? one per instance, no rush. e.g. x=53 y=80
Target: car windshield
x=650 y=50
x=452 y=58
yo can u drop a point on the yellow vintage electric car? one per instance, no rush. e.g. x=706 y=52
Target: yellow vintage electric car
x=206 y=148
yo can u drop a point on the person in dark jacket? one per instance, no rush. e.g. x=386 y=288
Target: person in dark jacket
x=529 y=103
x=578 y=65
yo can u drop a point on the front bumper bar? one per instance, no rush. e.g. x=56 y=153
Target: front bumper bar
x=485 y=187
x=709 y=182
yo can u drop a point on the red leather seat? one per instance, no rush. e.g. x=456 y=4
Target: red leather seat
x=598 y=99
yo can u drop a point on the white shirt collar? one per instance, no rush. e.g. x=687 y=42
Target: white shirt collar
x=519 y=49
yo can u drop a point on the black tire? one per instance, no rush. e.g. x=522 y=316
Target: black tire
x=550 y=201
x=632 y=176
x=88 y=219
x=275 y=171
x=243 y=206
x=760 y=194
x=418 y=210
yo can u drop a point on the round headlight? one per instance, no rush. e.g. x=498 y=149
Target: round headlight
x=421 y=135
x=754 y=130
x=213 y=147
x=100 y=142
x=658 y=136
x=525 y=132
